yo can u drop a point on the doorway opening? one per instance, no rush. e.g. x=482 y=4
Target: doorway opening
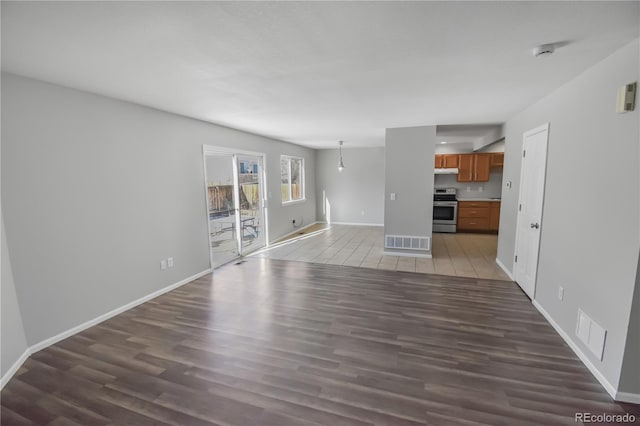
x=236 y=208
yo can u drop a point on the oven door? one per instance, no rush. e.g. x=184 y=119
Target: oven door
x=445 y=212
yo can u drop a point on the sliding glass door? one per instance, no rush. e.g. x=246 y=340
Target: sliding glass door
x=235 y=204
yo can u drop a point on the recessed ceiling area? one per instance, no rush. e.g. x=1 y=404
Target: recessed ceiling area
x=313 y=73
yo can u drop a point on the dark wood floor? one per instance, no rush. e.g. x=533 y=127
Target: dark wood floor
x=272 y=342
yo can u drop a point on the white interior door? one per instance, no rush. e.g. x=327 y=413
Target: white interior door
x=532 y=177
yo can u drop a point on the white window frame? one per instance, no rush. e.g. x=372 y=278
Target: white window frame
x=302 y=180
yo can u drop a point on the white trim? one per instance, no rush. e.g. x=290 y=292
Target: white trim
x=303 y=180
x=632 y=398
x=504 y=268
x=585 y=360
x=357 y=224
x=542 y=128
x=403 y=254
x=77 y=329
x=295 y=231
x=14 y=368
x=288 y=203
x=213 y=149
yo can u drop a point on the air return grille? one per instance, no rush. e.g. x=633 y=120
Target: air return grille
x=406 y=242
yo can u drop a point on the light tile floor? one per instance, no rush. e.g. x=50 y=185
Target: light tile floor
x=464 y=255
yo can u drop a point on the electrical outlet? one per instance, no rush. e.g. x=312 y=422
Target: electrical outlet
x=362 y=213
x=481 y=189
x=163 y=264
x=468 y=189
x=393 y=196
x=170 y=262
x=560 y=293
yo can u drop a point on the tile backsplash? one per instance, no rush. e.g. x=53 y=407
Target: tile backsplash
x=490 y=189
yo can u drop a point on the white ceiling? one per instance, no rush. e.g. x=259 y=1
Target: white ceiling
x=313 y=73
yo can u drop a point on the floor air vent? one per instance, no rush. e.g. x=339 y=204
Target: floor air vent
x=407 y=242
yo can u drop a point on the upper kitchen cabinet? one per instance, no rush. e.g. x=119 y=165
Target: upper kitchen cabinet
x=446 y=161
x=474 y=167
x=497 y=160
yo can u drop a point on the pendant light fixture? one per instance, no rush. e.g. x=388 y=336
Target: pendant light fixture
x=340 y=163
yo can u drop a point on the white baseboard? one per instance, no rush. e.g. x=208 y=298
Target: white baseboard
x=504 y=268
x=14 y=368
x=77 y=329
x=585 y=360
x=395 y=253
x=357 y=224
x=295 y=231
x=632 y=398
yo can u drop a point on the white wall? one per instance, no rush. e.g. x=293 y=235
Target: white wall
x=409 y=167
x=357 y=194
x=96 y=191
x=590 y=224
x=13 y=343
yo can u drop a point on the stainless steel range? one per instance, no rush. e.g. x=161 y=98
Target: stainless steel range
x=445 y=210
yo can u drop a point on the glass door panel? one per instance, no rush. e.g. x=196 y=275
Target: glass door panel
x=222 y=208
x=252 y=224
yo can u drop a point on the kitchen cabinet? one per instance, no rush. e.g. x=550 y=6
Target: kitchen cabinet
x=494 y=216
x=480 y=216
x=446 y=161
x=474 y=167
x=497 y=160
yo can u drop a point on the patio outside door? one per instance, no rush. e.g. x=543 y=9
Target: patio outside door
x=235 y=204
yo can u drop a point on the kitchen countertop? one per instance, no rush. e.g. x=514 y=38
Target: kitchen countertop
x=479 y=199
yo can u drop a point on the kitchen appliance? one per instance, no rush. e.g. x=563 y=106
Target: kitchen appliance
x=445 y=210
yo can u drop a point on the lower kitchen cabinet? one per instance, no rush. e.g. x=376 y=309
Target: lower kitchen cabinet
x=494 y=216
x=483 y=216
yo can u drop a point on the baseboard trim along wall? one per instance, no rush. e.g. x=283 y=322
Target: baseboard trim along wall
x=632 y=398
x=356 y=224
x=14 y=368
x=395 y=253
x=288 y=234
x=504 y=268
x=77 y=329
x=585 y=360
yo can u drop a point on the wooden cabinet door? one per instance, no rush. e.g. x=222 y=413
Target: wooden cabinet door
x=482 y=167
x=438 y=161
x=465 y=168
x=494 y=216
x=450 y=161
x=497 y=160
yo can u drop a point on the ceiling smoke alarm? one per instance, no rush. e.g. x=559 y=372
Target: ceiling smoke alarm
x=543 y=50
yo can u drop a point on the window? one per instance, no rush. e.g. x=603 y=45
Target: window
x=292 y=179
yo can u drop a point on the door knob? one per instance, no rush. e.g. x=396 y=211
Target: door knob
x=535 y=225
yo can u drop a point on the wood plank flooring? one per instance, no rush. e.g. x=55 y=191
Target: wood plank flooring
x=271 y=342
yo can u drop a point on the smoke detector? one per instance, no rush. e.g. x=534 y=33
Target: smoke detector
x=543 y=50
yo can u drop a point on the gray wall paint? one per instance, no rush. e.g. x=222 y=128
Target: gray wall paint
x=96 y=191
x=490 y=189
x=630 y=375
x=14 y=342
x=409 y=155
x=583 y=248
x=357 y=194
